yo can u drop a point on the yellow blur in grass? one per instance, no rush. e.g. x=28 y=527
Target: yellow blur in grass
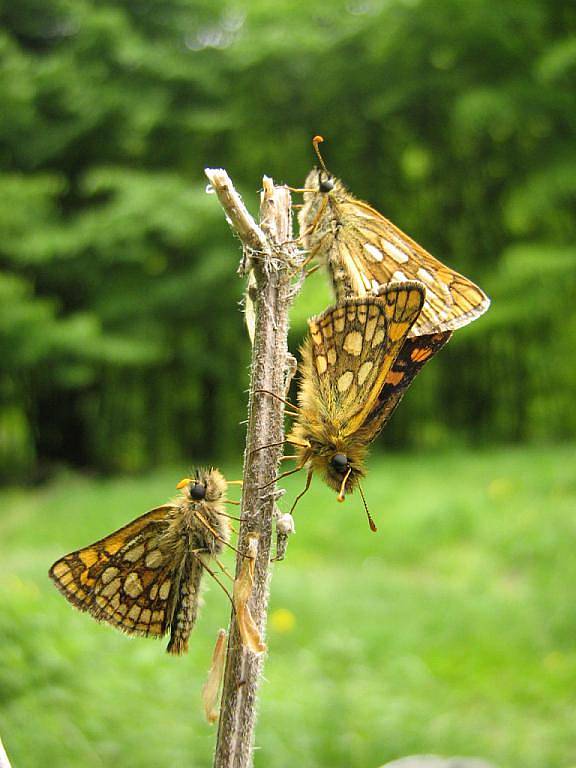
x=282 y=620
x=501 y=488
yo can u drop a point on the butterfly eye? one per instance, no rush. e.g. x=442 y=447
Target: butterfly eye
x=326 y=185
x=339 y=462
x=197 y=491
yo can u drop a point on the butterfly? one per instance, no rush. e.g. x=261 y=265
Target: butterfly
x=415 y=353
x=363 y=251
x=356 y=365
x=145 y=577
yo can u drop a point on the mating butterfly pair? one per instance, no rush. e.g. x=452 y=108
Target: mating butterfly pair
x=397 y=307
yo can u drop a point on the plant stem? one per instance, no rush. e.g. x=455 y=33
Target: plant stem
x=270 y=370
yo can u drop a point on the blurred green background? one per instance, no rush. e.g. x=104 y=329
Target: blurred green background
x=123 y=360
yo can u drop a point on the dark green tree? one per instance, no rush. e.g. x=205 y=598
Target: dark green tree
x=121 y=342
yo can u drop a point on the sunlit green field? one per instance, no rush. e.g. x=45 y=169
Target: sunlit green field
x=452 y=630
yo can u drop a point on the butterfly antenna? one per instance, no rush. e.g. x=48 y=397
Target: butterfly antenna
x=341 y=495
x=315 y=141
x=371 y=522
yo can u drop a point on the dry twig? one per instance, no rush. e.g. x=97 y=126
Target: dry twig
x=270 y=371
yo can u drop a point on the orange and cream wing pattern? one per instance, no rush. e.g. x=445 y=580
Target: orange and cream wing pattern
x=126 y=579
x=364 y=251
x=414 y=355
x=382 y=252
x=354 y=345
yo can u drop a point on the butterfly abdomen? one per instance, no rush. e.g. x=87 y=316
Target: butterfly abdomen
x=186 y=607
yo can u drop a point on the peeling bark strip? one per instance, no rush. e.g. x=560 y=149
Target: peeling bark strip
x=276 y=261
x=216 y=673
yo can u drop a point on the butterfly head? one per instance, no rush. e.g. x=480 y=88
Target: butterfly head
x=341 y=471
x=197 y=491
x=325 y=183
x=319 y=183
x=204 y=485
x=340 y=466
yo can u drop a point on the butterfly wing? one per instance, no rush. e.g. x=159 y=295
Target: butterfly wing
x=128 y=579
x=415 y=353
x=364 y=250
x=353 y=347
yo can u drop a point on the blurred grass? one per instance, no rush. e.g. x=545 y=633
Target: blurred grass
x=450 y=631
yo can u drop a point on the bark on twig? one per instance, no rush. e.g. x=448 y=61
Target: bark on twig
x=271 y=366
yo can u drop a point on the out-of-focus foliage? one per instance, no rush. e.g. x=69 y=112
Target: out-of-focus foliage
x=121 y=345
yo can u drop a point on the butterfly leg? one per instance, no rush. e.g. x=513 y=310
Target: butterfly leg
x=290 y=405
x=290 y=440
x=216 y=535
x=212 y=573
x=316 y=219
x=311 y=253
x=311 y=271
x=231 y=517
x=223 y=568
x=299 y=190
x=217 y=580
x=268 y=445
x=284 y=474
x=306 y=487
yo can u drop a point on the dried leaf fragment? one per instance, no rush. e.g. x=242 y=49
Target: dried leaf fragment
x=249 y=632
x=211 y=687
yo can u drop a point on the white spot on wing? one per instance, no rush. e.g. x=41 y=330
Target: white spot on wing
x=395 y=252
x=108 y=575
x=321 y=364
x=366 y=281
x=424 y=275
x=365 y=369
x=353 y=343
x=110 y=588
x=132 y=585
x=134 y=613
x=134 y=553
x=164 y=589
x=373 y=251
x=399 y=275
x=345 y=380
x=154 y=559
